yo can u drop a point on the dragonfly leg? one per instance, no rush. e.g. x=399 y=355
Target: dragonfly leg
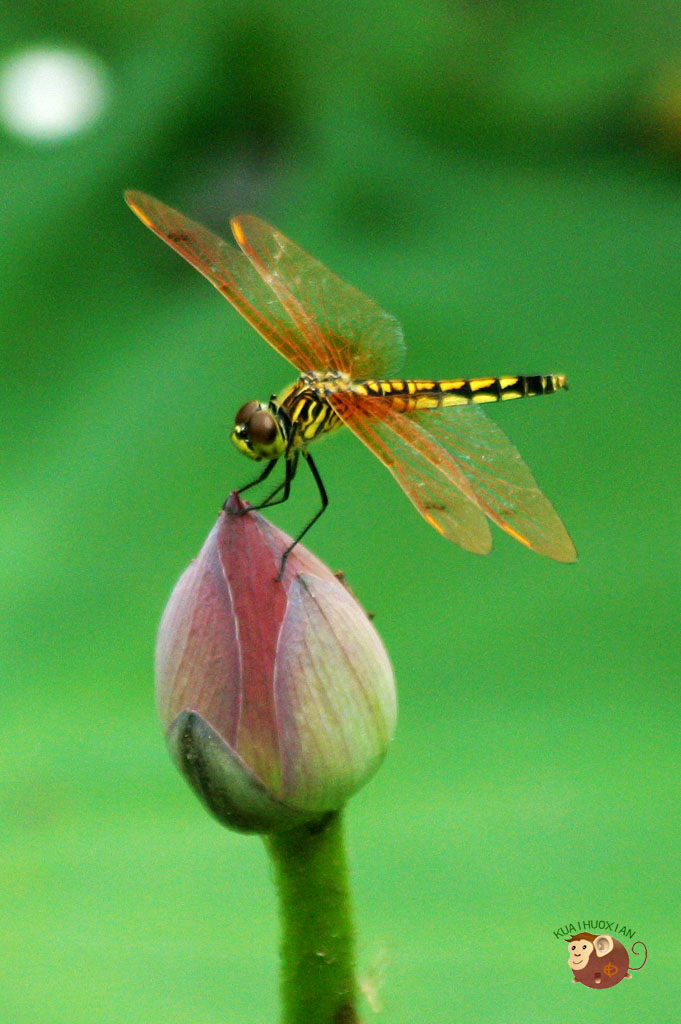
x=285 y=485
x=325 y=501
x=263 y=476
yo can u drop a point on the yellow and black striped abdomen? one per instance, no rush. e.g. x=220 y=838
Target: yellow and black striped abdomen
x=411 y=395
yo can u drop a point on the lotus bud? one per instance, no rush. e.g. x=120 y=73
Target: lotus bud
x=277 y=696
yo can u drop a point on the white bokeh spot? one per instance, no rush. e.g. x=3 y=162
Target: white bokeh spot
x=51 y=94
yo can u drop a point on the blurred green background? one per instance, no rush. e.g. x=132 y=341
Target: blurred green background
x=506 y=179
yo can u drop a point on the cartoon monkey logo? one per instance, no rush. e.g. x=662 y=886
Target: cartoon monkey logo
x=599 y=961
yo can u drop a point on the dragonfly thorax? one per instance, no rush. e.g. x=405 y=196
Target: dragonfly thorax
x=260 y=431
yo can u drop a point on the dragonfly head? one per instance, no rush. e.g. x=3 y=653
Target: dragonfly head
x=258 y=432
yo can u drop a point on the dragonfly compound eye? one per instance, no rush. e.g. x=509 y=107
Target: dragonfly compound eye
x=245 y=412
x=262 y=427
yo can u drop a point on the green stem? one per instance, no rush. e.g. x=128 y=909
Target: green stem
x=317 y=948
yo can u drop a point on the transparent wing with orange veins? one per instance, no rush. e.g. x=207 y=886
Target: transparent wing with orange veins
x=309 y=315
x=457 y=467
x=346 y=329
x=232 y=274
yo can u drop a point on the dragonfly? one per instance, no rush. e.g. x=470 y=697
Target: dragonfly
x=452 y=461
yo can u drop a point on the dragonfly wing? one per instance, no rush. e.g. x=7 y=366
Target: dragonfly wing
x=427 y=474
x=504 y=487
x=232 y=274
x=348 y=330
x=476 y=459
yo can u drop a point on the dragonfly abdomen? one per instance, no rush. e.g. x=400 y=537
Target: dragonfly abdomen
x=410 y=395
